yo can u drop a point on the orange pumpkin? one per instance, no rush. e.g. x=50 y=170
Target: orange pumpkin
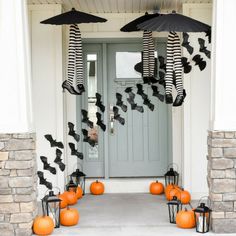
x=185 y=219
x=79 y=192
x=170 y=187
x=70 y=197
x=69 y=217
x=63 y=200
x=173 y=192
x=156 y=188
x=97 y=188
x=184 y=197
x=43 y=225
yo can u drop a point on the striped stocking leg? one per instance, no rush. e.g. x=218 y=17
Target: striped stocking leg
x=79 y=62
x=169 y=67
x=178 y=65
x=145 y=57
x=151 y=55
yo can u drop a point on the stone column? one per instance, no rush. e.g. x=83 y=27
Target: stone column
x=222 y=180
x=18 y=184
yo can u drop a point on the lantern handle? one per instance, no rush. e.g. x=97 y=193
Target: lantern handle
x=173 y=164
x=52 y=189
x=76 y=166
x=208 y=201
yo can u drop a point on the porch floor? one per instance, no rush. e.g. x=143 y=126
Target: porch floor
x=124 y=215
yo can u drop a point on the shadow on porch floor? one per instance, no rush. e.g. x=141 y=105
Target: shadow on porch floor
x=124 y=215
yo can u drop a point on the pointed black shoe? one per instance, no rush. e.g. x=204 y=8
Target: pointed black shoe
x=69 y=88
x=169 y=99
x=178 y=101
x=80 y=89
x=153 y=80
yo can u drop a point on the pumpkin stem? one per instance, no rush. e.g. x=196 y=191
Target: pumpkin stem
x=96 y=181
x=185 y=209
x=156 y=181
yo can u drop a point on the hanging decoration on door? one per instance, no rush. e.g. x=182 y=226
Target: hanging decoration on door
x=146 y=100
x=47 y=166
x=156 y=93
x=85 y=118
x=186 y=43
x=120 y=103
x=130 y=100
x=88 y=139
x=53 y=142
x=58 y=160
x=43 y=181
x=99 y=102
x=75 y=60
x=199 y=62
x=203 y=48
x=75 y=152
x=100 y=121
x=117 y=116
x=72 y=132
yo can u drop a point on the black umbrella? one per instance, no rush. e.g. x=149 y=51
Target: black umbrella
x=132 y=26
x=73 y=17
x=174 y=22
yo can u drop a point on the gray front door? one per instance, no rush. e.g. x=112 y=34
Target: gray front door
x=141 y=147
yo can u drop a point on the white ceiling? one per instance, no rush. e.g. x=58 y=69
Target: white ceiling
x=119 y=6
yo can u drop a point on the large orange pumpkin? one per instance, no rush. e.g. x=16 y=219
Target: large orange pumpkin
x=69 y=217
x=185 y=219
x=175 y=192
x=71 y=197
x=43 y=225
x=63 y=203
x=156 y=188
x=79 y=192
x=170 y=187
x=97 y=188
x=184 y=197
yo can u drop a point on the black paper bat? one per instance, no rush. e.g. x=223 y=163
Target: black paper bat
x=157 y=94
x=146 y=100
x=203 y=48
x=87 y=139
x=208 y=34
x=99 y=102
x=85 y=118
x=117 y=115
x=100 y=121
x=199 y=61
x=120 y=103
x=162 y=65
x=72 y=132
x=53 y=142
x=130 y=100
x=149 y=80
x=43 y=181
x=186 y=65
x=186 y=43
x=46 y=165
x=58 y=160
x=75 y=152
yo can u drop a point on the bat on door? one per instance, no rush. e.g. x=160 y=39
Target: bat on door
x=53 y=142
x=72 y=131
x=186 y=43
x=58 y=160
x=46 y=165
x=43 y=181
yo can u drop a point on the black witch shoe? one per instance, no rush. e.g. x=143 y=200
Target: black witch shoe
x=100 y=122
x=53 y=142
x=157 y=94
x=117 y=115
x=80 y=89
x=72 y=131
x=74 y=152
x=149 y=80
x=46 y=165
x=87 y=139
x=179 y=99
x=169 y=98
x=85 y=119
x=99 y=102
x=120 y=103
x=58 y=160
x=43 y=181
x=69 y=88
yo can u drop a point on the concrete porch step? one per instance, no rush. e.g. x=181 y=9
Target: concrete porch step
x=124 y=185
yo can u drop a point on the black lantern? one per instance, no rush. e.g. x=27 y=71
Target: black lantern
x=79 y=178
x=71 y=186
x=51 y=207
x=202 y=218
x=171 y=177
x=174 y=206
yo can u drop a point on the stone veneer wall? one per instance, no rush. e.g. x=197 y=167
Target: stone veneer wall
x=18 y=184
x=222 y=180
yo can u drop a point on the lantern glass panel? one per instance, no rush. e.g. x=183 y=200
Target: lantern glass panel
x=174 y=206
x=54 y=212
x=202 y=218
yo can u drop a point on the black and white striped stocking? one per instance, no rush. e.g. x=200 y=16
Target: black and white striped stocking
x=173 y=64
x=151 y=55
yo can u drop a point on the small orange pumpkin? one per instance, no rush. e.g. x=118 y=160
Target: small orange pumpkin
x=79 y=192
x=185 y=219
x=173 y=193
x=97 y=188
x=170 y=187
x=156 y=188
x=43 y=225
x=184 y=197
x=63 y=198
x=69 y=216
x=70 y=197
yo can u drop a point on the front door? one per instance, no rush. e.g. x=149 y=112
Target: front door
x=139 y=147
x=142 y=146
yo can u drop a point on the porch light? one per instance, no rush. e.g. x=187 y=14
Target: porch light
x=71 y=186
x=202 y=217
x=171 y=177
x=79 y=178
x=174 y=206
x=51 y=207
